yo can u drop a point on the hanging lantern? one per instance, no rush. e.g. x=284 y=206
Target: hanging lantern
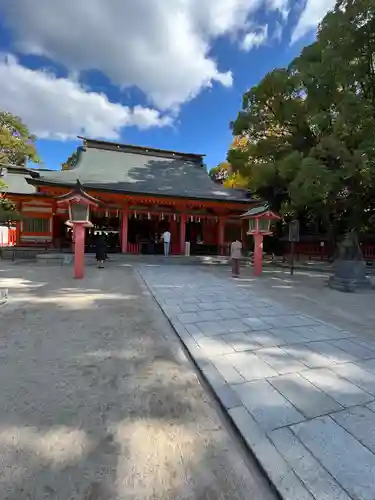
x=174 y=217
x=106 y=214
x=135 y=214
x=191 y=218
x=148 y=215
x=199 y=219
x=117 y=213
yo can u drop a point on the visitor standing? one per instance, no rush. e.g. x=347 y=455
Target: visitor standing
x=100 y=249
x=167 y=242
x=236 y=254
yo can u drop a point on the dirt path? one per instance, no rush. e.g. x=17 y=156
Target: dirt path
x=98 y=402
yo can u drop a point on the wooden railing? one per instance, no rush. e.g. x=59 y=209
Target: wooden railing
x=316 y=251
x=8 y=237
x=134 y=248
x=368 y=251
x=311 y=251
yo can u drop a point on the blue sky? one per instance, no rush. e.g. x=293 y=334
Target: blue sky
x=165 y=74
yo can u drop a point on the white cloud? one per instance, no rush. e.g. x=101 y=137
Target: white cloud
x=278 y=32
x=162 y=47
x=310 y=17
x=255 y=38
x=60 y=108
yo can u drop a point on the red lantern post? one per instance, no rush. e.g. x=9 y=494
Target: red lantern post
x=79 y=204
x=260 y=219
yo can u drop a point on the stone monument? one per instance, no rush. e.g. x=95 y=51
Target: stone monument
x=349 y=269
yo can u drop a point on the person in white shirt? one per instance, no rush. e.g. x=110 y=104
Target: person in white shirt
x=236 y=254
x=167 y=242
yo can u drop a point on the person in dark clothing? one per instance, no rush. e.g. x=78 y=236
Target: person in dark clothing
x=100 y=249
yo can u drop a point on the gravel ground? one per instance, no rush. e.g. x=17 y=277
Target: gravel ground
x=98 y=401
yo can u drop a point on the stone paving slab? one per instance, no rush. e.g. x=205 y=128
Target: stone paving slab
x=316 y=478
x=357 y=375
x=360 y=422
x=230 y=374
x=331 y=351
x=300 y=391
x=250 y=366
x=258 y=397
x=306 y=397
x=280 y=472
x=344 y=457
x=280 y=360
x=241 y=342
x=341 y=390
x=354 y=349
x=307 y=355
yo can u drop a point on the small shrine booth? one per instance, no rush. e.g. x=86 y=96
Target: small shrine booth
x=142 y=192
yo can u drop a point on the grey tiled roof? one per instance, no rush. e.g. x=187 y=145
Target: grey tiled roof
x=134 y=172
x=16 y=183
x=252 y=212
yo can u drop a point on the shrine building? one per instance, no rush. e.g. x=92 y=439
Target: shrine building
x=143 y=191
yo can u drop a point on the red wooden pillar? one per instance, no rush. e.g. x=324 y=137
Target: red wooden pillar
x=182 y=233
x=258 y=254
x=220 y=236
x=53 y=223
x=174 y=234
x=79 y=250
x=18 y=226
x=124 y=230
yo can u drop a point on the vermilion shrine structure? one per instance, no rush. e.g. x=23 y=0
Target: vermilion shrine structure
x=142 y=191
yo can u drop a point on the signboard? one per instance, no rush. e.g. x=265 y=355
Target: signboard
x=294 y=230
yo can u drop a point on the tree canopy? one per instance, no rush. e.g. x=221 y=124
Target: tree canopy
x=16 y=141
x=221 y=172
x=308 y=129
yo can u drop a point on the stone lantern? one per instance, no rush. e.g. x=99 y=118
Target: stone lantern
x=260 y=219
x=79 y=204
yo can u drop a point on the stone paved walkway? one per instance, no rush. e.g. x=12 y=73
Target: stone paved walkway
x=299 y=390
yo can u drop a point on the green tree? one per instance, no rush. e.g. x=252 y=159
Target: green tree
x=8 y=210
x=16 y=142
x=221 y=172
x=310 y=127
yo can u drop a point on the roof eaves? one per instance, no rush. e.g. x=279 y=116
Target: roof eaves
x=41 y=182
x=141 y=149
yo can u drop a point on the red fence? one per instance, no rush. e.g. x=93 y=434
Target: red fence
x=311 y=251
x=8 y=236
x=316 y=251
x=134 y=248
x=368 y=252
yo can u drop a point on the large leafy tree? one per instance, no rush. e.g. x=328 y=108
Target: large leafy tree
x=16 y=141
x=221 y=172
x=8 y=210
x=309 y=127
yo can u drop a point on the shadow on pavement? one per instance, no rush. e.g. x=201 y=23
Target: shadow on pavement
x=99 y=403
